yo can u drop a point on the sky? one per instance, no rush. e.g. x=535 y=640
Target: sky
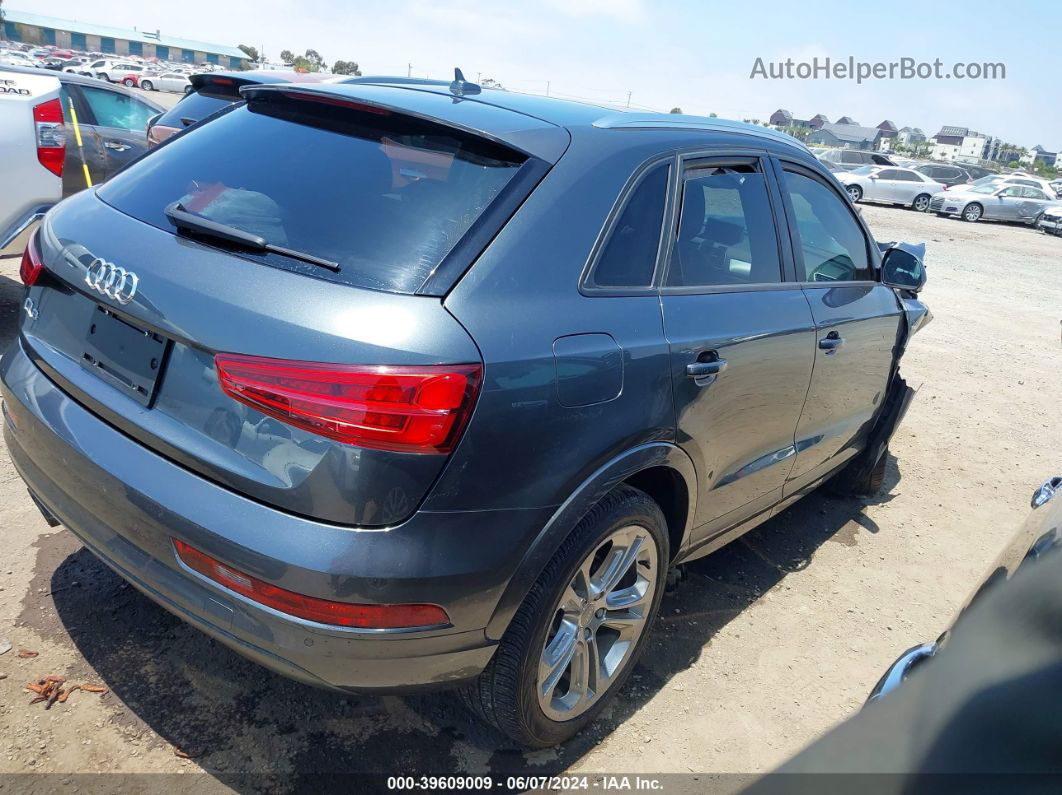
x=694 y=54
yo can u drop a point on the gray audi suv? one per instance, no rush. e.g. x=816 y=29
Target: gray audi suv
x=398 y=385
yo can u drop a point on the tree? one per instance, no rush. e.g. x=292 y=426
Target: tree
x=346 y=68
x=252 y=52
x=713 y=116
x=310 y=62
x=1013 y=164
x=287 y=56
x=675 y=109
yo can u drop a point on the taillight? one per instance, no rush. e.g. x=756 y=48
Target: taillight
x=32 y=265
x=323 y=611
x=51 y=135
x=405 y=409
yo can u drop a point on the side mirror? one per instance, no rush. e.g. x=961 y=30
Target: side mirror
x=902 y=269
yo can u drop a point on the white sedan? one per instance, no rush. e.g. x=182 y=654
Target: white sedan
x=166 y=81
x=890 y=185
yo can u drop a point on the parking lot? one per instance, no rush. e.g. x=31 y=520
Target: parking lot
x=768 y=642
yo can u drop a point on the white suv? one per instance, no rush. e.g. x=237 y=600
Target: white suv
x=112 y=70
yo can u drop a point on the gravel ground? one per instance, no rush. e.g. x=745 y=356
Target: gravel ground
x=768 y=643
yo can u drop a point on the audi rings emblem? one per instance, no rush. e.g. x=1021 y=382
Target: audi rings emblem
x=108 y=279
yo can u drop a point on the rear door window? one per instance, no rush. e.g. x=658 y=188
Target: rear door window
x=193 y=107
x=726 y=229
x=384 y=195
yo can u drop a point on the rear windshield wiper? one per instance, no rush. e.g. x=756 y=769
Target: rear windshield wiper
x=183 y=219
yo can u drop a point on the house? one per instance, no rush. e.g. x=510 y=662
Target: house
x=958 y=143
x=1038 y=155
x=846 y=136
x=888 y=134
x=908 y=136
x=817 y=121
x=848 y=120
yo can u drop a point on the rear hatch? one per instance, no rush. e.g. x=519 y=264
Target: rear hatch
x=244 y=300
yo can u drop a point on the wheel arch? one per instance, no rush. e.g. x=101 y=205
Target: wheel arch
x=661 y=469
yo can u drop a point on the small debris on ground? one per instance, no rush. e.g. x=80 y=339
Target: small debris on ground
x=50 y=690
x=26 y=653
x=182 y=754
x=5 y=645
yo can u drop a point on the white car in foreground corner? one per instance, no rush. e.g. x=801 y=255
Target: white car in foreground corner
x=890 y=185
x=1050 y=220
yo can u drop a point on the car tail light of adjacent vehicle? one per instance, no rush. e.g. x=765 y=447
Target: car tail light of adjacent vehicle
x=51 y=135
x=311 y=608
x=403 y=409
x=32 y=264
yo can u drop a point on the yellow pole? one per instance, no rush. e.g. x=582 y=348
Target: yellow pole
x=80 y=147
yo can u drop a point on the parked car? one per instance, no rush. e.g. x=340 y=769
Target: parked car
x=848 y=159
x=167 y=81
x=1040 y=535
x=1000 y=180
x=303 y=413
x=994 y=202
x=890 y=185
x=130 y=80
x=948 y=176
x=977 y=172
x=42 y=162
x=16 y=58
x=208 y=93
x=112 y=71
x=1050 y=220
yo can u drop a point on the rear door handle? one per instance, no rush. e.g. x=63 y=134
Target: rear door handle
x=117 y=146
x=831 y=342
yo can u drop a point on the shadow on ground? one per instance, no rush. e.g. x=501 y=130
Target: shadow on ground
x=252 y=729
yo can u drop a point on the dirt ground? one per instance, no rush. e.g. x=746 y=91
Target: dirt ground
x=769 y=642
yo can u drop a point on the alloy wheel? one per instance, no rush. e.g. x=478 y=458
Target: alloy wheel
x=972 y=213
x=921 y=204
x=597 y=623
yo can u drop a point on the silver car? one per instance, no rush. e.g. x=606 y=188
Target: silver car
x=167 y=81
x=890 y=185
x=993 y=202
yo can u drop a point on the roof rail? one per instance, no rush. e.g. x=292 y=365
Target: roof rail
x=626 y=121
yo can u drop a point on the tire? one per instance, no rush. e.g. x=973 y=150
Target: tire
x=848 y=483
x=972 y=212
x=147 y=85
x=507 y=693
x=920 y=203
x=128 y=82
x=855 y=193
x=187 y=89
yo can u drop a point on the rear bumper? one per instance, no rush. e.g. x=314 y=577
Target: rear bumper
x=127 y=504
x=900 y=669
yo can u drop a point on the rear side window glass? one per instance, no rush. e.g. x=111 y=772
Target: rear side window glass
x=629 y=257
x=726 y=230
x=193 y=107
x=112 y=109
x=384 y=195
x=831 y=243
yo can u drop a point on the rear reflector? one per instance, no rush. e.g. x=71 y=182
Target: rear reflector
x=32 y=265
x=51 y=135
x=323 y=611
x=405 y=409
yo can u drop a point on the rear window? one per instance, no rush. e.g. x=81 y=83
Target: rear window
x=385 y=195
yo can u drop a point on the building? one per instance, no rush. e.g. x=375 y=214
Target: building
x=909 y=136
x=959 y=144
x=887 y=136
x=846 y=136
x=782 y=118
x=1038 y=155
x=848 y=120
x=817 y=121
x=88 y=37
